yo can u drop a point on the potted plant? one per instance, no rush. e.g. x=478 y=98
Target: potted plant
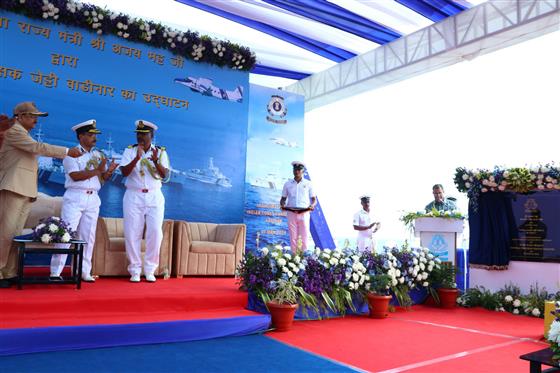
x=443 y=287
x=282 y=304
x=378 y=295
x=271 y=277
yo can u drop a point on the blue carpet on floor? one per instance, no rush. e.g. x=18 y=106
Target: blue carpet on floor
x=255 y=353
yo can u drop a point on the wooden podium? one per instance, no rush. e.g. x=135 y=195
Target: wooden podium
x=441 y=236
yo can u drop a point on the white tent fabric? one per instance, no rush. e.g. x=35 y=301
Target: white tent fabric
x=270 y=50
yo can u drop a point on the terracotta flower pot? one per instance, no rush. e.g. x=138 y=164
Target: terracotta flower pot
x=282 y=315
x=378 y=305
x=447 y=297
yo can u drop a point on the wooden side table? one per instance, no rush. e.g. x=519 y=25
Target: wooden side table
x=76 y=252
x=540 y=358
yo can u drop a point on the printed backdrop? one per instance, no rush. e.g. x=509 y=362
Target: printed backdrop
x=75 y=75
x=275 y=139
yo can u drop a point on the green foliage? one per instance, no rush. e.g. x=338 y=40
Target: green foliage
x=409 y=218
x=509 y=299
x=519 y=179
x=380 y=284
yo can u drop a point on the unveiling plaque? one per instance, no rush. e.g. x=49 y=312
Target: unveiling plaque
x=537 y=217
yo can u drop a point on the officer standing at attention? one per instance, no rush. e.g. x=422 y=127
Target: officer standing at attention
x=80 y=204
x=145 y=167
x=298 y=199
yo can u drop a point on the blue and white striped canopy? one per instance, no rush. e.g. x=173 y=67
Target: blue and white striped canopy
x=295 y=38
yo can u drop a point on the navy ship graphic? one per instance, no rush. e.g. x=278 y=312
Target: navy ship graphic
x=210 y=175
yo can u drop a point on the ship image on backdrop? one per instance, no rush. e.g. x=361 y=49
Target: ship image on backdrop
x=205 y=134
x=274 y=137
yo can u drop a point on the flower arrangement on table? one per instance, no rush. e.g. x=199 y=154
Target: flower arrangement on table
x=53 y=230
x=554 y=333
x=334 y=279
x=409 y=217
x=516 y=179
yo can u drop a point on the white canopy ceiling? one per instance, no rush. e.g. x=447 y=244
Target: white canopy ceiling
x=287 y=39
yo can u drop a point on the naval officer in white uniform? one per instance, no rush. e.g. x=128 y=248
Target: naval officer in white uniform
x=364 y=225
x=298 y=199
x=80 y=205
x=145 y=167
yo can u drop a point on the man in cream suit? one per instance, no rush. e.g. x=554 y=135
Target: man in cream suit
x=18 y=181
x=5 y=124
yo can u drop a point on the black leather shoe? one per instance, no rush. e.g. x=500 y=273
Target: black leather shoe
x=4 y=284
x=55 y=278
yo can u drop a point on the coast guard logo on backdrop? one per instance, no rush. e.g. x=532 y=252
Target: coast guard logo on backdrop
x=277 y=110
x=438 y=246
x=531 y=204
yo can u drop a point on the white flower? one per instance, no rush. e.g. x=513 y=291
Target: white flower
x=425 y=283
x=355 y=277
x=46 y=238
x=65 y=237
x=288 y=256
x=265 y=251
x=508 y=299
x=536 y=312
x=40 y=226
x=281 y=262
x=401 y=280
x=465 y=177
x=554 y=332
x=516 y=303
x=516 y=311
x=53 y=228
x=394 y=282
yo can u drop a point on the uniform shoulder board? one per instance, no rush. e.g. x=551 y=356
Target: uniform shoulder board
x=132 y=146
x=160 y=147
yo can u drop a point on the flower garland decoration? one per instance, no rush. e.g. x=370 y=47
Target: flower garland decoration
x=517 y=179
x=53 y=230
x=101 y=21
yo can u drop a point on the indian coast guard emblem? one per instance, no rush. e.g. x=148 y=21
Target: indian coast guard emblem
x=277 y=110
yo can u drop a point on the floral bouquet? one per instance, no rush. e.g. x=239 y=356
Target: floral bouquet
x=53 y=230
x=554 y=334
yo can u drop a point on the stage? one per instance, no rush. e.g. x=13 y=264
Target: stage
x=114 y=312
x=113 y=320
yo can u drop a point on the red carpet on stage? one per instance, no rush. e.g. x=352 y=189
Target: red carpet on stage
x=117 y=301
x=423 y=339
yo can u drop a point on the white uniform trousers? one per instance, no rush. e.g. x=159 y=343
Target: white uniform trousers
x=364 y=243
x=138 y=209
x=80 y=210
x=298 y=225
